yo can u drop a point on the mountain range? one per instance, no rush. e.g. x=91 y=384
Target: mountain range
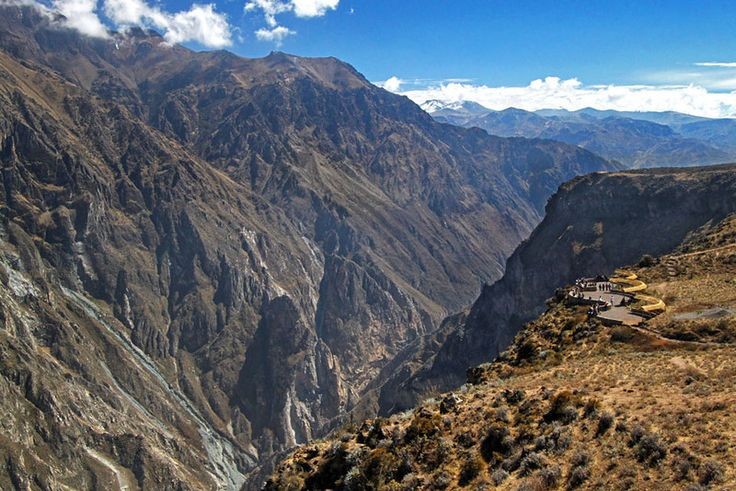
x=636 y=139
x=208 y=259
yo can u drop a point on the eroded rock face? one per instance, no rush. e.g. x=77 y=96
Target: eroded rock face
x=593 y=224
x=215 y=258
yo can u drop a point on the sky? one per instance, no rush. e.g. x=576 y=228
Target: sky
x=628 y=55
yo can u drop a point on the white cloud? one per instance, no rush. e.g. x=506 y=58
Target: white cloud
x=276 y=34
x=270 y=9
x=721 y=64
x=392 y=84
x=571 y=94
x=313 y=8
x=300 y=8
x=201 y=23
x=82 y=16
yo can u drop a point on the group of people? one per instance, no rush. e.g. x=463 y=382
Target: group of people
x=599 y=284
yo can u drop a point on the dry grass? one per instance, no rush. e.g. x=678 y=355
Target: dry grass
x=572 y=404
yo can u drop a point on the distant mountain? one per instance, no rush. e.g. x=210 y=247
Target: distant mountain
x=457 y=113
x=664 y=117
x=720 y=133
x=636 y=139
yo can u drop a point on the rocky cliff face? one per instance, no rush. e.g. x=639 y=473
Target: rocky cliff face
x=208 y=259
x=572 y=403
x=593 y=224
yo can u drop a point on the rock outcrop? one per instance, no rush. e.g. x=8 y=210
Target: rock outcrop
x=593 y=224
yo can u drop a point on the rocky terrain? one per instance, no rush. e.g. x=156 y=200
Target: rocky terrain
x=571 y=404
x=593 y=224
x=634 y=139
x=206 y=259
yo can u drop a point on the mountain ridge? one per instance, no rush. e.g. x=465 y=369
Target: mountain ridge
x=637 y=139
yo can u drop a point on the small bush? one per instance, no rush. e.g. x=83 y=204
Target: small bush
x=514 y=396
x=622 y=334
x=711 y=472
x=502 y=414
x=551 y=476
x=591 y=408
x=580 y=459
x=530 y=463
x=646 y=261
x=465 y=439
x=423 y=425
x=605 y=421
x=442 y=481
x=637 y=433
x=542 y=443
x=512 y=463
x=527 y=351
x=499 y=476
x=382 y=466
x=682 y=467
x=622 y=427
x=650 y=449
x=496 y=441
x=469 y=471
x=354 y=480
x=562 y=408
x=578 y=476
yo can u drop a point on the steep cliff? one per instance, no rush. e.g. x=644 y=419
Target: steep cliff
x=572 y=403
x=593 y=224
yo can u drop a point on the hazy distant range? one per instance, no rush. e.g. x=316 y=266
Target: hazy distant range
x=636 y=139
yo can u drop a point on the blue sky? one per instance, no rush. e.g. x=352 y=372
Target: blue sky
x=507 y=42
x=633 y=55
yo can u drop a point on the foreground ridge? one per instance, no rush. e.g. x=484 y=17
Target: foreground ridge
x=575 y=402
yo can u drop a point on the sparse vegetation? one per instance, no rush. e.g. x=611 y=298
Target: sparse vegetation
x=711 y=472
x=581 y=412
x=647 y=261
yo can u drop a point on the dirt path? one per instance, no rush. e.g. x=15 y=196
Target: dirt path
x=706 y=251
x=124 y=483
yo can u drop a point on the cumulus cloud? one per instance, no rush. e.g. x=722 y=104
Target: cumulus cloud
x=300 y=8
x=201 y=23
x=270 y=9
x=392 y=84
x=571 y=94
x=82 y=16
x=275 y=34
x=313 y=8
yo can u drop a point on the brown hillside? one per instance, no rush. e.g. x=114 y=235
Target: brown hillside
x=572 y=403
